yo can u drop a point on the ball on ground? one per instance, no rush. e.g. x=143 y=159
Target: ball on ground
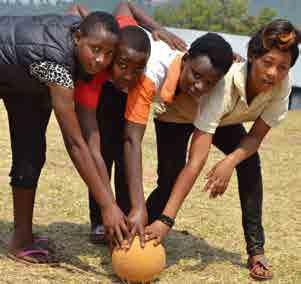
x=137 y=264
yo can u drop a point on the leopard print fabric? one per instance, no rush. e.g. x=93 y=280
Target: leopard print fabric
x=49 y=72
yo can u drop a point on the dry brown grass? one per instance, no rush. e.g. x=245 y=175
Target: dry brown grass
x=207 y=245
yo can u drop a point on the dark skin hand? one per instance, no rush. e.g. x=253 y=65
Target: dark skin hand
x=63 y=105
x=170 y=38
x=137 y=217
x=219 y=176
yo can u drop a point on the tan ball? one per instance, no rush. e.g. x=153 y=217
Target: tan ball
x=137 y=264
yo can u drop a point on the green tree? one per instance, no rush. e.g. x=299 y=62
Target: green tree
x=214 y=15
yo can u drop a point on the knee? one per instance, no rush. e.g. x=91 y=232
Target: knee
x=26 y=174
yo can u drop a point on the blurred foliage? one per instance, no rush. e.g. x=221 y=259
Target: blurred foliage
x=213 y=15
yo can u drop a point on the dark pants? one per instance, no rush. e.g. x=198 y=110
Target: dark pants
x=172 y=141
x=110 y=117
x=28 y=108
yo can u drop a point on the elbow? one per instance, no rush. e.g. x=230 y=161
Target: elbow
x=131 y=140
x=74 y=145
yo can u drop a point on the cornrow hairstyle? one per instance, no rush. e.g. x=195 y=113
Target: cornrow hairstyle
x=279 y=34
x=96 y=20
x=135 y=38
x=216 y=48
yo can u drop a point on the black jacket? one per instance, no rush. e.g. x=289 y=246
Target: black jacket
x=28 y=39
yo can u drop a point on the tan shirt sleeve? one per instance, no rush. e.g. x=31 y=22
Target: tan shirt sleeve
x=277 y=109
x=211 y=111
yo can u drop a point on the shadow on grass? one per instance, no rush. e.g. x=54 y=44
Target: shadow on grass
x=181 y=246
x=72 y=245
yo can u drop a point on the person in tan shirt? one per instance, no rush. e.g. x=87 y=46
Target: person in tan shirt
x=258 y=91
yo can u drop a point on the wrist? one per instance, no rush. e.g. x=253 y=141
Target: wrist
x=166 y=220
x=108 y=205
x=232 y=159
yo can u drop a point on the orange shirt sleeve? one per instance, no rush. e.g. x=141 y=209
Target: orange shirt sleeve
x=139 y=101
x=124 y=21
x=87 y=93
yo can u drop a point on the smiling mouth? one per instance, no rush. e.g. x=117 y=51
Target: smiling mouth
x=268 y=82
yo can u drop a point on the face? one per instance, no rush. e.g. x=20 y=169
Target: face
x=95 y=52
x=128 y=66
x=198 y=76
x=268 y=70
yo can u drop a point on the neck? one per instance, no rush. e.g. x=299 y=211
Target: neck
x=251 y=89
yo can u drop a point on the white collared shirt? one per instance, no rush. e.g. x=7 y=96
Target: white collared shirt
x=228 y=104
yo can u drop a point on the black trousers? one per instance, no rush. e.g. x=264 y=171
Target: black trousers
x=28 y=106
x=172 y=142
x=110 y=117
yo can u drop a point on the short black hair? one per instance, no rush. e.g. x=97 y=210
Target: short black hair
x=216 y=48
x=94 y=20
x=269 y=37
x=135 y=38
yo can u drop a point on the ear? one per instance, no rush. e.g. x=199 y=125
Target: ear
x=77 y=37
x=251 y=58
x=184 y=60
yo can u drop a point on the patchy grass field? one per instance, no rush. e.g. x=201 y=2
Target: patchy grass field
x=207 y=245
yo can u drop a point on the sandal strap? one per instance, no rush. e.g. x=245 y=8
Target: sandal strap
x=32 y=252
x=261 y=261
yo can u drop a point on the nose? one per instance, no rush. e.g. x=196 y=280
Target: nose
x=272 y=72
x=100 y=59
x=199 y=86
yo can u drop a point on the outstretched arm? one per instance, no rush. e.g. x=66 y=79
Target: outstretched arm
x=133 y=136
x=90 y=131
x=198 y=153
x=131 y=9
x=77 y=10
x=63 y=105
x=219 y=176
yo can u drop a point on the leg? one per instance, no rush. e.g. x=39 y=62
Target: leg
x=28 y=119
x=172 y=140
x=250 y=188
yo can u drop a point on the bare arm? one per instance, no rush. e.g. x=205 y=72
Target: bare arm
x=90 y=130
x=63 y=105
x=158 y=32
x=77 y=10
x=250 y=143
x=133 y=161
x=198 y=153
x=133 y=10
x=219 y=176
x=137 y=217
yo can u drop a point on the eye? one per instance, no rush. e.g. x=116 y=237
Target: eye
x=95 y=49
x=267 y=63
x=109 y=53
x=283 y=68
x=196 y=75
